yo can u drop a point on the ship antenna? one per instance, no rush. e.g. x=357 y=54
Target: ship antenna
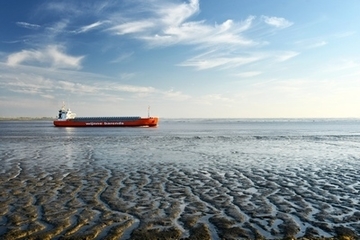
x=148 y=111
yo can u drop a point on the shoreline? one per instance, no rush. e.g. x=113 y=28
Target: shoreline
x=26 y=119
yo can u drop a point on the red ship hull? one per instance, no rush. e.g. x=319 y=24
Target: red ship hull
x=103 y=122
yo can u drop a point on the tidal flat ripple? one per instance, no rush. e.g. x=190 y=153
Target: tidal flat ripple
x=166 y=185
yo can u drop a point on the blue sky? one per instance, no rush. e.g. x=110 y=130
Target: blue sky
x=184 y=58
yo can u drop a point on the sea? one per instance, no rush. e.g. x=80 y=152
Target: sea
x=185 y=179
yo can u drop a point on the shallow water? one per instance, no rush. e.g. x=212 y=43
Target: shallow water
x=222 y=178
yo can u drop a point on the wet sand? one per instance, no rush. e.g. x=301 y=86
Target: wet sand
x=171 y=201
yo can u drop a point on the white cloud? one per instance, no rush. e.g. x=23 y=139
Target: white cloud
x=341 y=65
x=175 y=95
x=31 y=80
x=131 y=89
x=284 y=56
x=159 y=23
x=47 y=96
x=105 y=88
x=310 y=43
x=57 y=28
x=198 y=33
x=26 y=84
x=277 y=22
x=317 y=44
x=175 y=15
x=28 y=25
x=167 y=24
x=214 y=60
x=127 y=76
x=52 y=55
x=75 y=87
x=122 y=57
x=202 y=64
x=90 y=27
x=132 y=27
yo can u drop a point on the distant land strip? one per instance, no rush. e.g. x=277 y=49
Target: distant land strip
x=26 y=118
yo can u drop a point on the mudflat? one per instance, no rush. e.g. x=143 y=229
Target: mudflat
x=166 y=202
x=185 y=180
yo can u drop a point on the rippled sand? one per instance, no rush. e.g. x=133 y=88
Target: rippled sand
x=171 y=201
x=141 y=184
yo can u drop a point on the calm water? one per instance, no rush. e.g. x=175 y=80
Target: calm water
x=262 y=177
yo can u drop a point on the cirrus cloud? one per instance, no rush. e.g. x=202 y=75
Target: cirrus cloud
x=52 y=55
x=28 y=25
x=277 y=22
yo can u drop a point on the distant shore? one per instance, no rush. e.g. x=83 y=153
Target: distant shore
x=26 y=118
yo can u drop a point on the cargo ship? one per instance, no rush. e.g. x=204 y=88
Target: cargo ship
x=66 y=118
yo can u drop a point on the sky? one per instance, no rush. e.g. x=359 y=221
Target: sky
x=183 y=58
